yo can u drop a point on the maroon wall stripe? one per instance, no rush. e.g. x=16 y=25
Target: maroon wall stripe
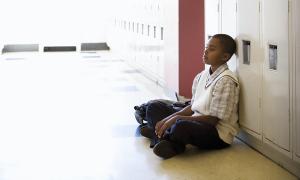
x=191 y=43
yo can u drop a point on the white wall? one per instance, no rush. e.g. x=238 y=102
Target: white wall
x=171 y=15
x=53 y=21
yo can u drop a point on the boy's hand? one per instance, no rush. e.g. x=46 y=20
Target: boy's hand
x=159 y=124
x=163 y=125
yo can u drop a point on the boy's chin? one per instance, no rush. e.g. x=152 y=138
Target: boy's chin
x=205 y=61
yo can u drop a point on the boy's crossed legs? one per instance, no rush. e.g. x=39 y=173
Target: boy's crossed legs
x=202 y=135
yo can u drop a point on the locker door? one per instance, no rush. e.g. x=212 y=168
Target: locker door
x=297 y=60
x=212 y=18
x=249 y=65
x=228 y=25
x=276 y=72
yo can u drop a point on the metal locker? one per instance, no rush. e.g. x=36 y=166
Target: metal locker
x=296 y=13
x=228 y=26
x=249 y=65
x=276 y=102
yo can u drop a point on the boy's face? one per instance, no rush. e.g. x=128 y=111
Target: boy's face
x=214 y=54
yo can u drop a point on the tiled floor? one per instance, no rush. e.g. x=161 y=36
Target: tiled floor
x=70 y=117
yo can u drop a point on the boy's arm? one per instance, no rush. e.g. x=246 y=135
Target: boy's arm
x=162 y=126
x=212 y=120
x=187 y=111
x=184 y=114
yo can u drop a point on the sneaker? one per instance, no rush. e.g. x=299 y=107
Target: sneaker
x=165 y=149
x=147 y=132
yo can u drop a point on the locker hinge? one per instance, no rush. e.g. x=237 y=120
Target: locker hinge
x=259 y=7
x=289 y=6
x=260 y=103
x=218 y=8
x=236 y=7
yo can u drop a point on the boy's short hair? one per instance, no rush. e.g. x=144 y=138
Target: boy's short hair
x=228 y=43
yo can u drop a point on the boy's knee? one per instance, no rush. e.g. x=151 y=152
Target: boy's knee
x=182 y=124
x=180 y=128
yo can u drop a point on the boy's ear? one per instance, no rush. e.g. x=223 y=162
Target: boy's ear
x=226 y=57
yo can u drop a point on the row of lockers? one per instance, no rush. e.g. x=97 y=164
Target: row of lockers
x=147 y=11
x=265 y=61
x=141 y=28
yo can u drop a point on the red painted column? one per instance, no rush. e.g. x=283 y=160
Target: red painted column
x=191 y=43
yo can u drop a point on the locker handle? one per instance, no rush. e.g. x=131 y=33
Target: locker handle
x=246 y=52
x=273 y=57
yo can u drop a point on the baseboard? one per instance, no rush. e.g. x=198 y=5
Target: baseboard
x=279 y=158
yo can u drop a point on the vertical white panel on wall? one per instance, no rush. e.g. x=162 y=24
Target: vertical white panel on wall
x=276 y=72
x=171 y=44
x=212 y=18
x=228 y=14
x=249 y=65
x=228 y=25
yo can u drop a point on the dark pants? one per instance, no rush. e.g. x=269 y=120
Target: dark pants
x=202 y=135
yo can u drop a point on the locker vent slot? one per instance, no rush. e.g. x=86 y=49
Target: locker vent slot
x=246 y=52
x=132 y=26
x=273 y=57
x=148 y=30
x=129 y=25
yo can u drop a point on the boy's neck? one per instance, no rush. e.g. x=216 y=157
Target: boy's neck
x=212 y=69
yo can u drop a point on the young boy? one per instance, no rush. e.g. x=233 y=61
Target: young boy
x=211 y=121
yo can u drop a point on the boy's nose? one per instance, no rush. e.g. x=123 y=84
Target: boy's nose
x=205 y=52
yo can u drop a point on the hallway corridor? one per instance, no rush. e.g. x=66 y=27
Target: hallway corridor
x=69 y=116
